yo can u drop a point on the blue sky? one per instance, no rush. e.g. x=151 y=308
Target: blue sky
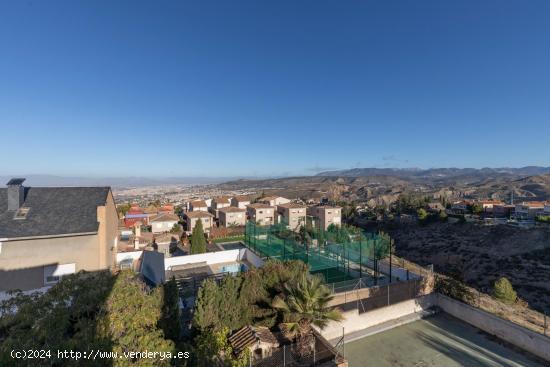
x=181 y=88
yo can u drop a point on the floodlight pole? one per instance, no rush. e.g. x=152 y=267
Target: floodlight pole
x=390 y=260
x=360 y=257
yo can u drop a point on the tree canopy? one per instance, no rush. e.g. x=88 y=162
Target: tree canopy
x=198 y=242
x=83 y=312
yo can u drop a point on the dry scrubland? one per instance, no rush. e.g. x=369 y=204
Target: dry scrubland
x=482 y=254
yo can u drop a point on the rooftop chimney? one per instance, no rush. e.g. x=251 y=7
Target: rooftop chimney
x=16 y=193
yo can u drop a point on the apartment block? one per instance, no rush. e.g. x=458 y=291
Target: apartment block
x=261 y=214
x=324 y=216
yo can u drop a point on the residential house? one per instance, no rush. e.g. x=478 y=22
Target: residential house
x=258 y=341
x=460 y=207
x=324 y=216
x=49 y=232
x=435 y=206
x=261 y=214
x=488 y=205
x=135 y=214
x=503 y=210
x=240 y=201
x=166 y=208
x=546 y=209
x=529 y=209
x=218 y=203
x=205 y=217
x=163 y=222
x=198 y=206
x=273 y=200
x=232 y=216
x=292 y=214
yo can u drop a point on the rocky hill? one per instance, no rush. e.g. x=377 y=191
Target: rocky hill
x=385 y=188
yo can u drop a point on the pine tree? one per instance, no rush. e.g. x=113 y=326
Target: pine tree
x=198 y=242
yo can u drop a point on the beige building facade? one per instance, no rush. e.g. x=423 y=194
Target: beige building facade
x=273 y=200
x=240 y=201
x=206 y=218
x=293 y=215
x=324 y=216
x=56 y=239
x=198 y=206
x=261 y=214
x=232 y=216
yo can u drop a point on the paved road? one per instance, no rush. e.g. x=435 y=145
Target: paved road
x=440 y=340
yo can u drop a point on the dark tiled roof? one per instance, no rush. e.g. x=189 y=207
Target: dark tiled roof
x=260 y=206
x=53 y=211
x=250 y=335
x=232 y=209
x=165 y=217
x=198 y=214
x=199 y=204
x=292 y=206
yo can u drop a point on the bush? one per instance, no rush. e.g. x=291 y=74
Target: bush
x=86 y=311
x=422 y=214
x=503 y=291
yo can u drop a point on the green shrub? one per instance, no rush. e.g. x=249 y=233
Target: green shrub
x=503 y=291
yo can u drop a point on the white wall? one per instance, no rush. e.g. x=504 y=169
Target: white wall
x=160 y=227
x=353 y=321
x=251 y=257
x=134 y=255
x=209 y=258
x=521 y=337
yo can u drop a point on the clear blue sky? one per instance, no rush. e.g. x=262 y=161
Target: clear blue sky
x=182 y=88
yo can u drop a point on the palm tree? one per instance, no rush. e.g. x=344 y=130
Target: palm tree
x=305 y=303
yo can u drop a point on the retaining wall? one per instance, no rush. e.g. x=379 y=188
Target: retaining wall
x=519 y=336
x=355 y=321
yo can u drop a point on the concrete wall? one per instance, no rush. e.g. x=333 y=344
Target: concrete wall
x=251 y=257
x=354 y=321
x=209 y=258
x=134 y=255
x=107 y=216
x=523 y=338
x=164 y=226
x=214 y=258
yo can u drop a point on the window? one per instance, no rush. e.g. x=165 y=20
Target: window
x=54 y=273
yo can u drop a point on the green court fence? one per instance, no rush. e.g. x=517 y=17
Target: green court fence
x=338 y=254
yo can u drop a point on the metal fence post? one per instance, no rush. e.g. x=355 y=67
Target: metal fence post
x=284 y=355
x=314 y=345
x=545 y=323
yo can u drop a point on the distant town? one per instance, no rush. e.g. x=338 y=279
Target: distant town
x=193 y=241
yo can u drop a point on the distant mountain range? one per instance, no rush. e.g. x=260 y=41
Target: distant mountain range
x=51 y=180
x=439 y=173
x=384 y=185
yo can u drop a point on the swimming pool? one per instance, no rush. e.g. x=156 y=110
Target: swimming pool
x=234 y=268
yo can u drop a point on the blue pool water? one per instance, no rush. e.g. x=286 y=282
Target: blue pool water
x=234 y=268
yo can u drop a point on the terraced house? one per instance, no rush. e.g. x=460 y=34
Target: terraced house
x=49 y=232
x=292 y=214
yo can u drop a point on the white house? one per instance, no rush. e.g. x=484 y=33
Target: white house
x=163 y=222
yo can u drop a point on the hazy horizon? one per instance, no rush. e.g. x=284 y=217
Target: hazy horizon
x=122 y=180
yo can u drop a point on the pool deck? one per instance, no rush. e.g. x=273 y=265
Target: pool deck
x=439 y=340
